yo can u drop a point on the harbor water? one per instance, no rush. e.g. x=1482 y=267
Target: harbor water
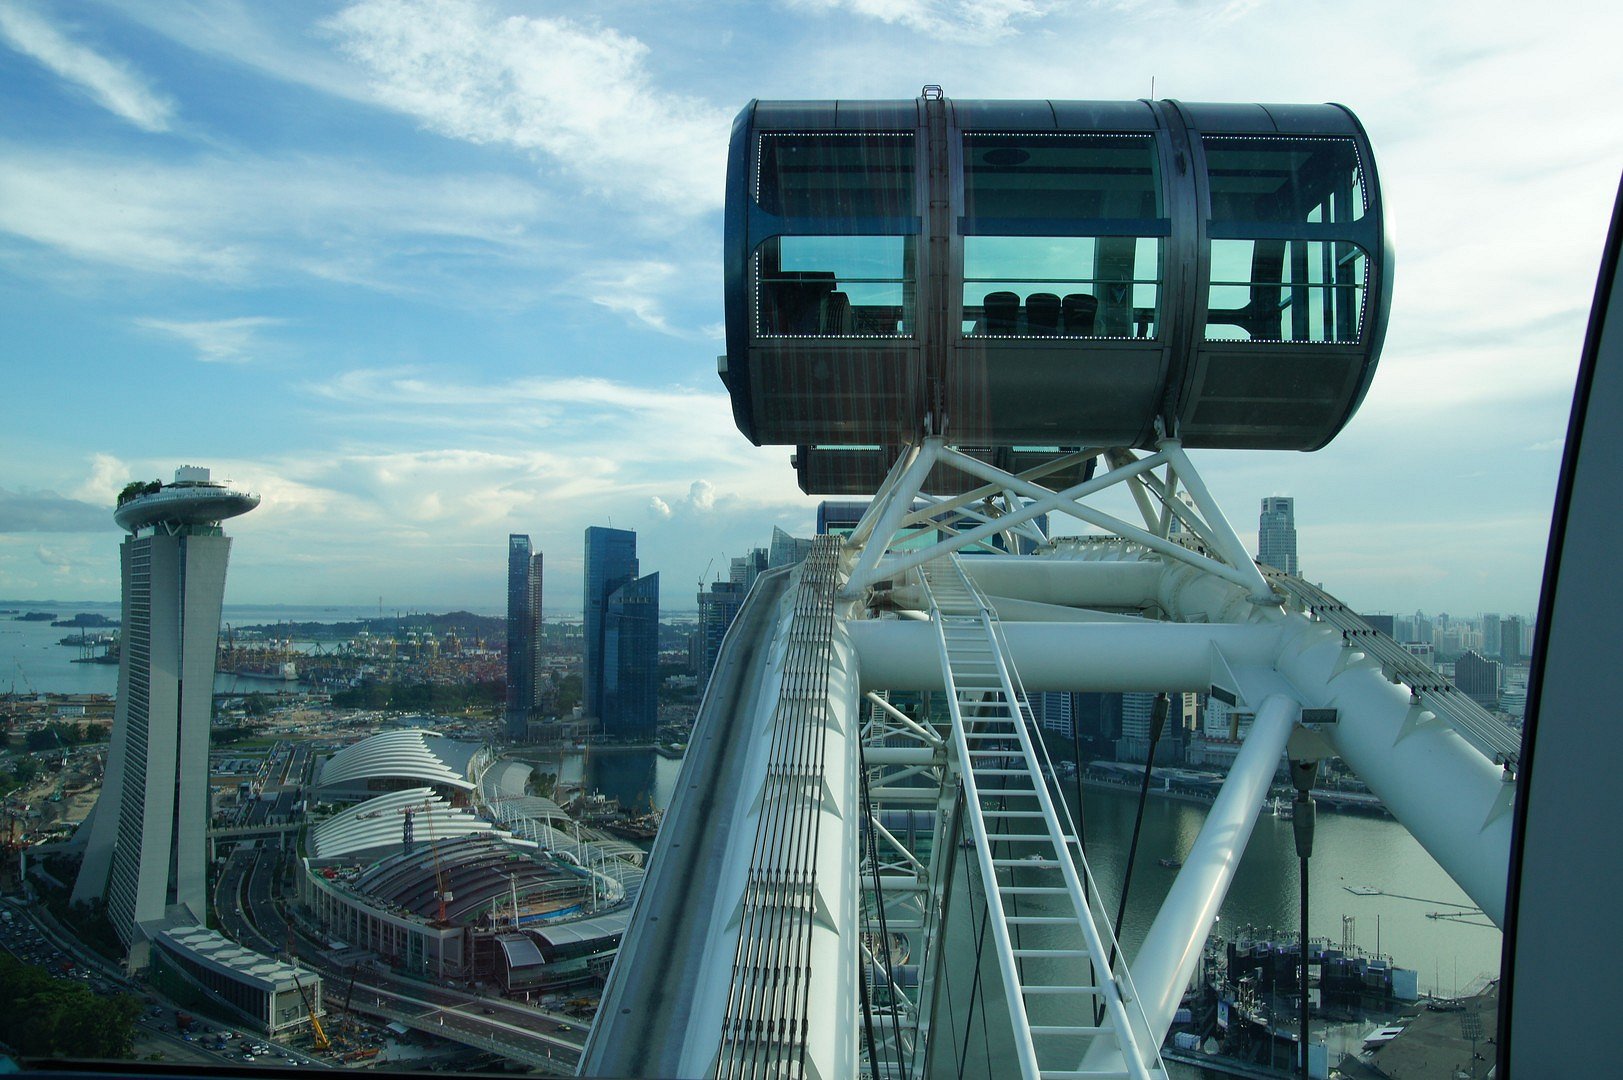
x=32 y=660
x=1398 y=885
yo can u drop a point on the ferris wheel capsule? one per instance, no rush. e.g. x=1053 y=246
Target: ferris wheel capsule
x=1037 y=275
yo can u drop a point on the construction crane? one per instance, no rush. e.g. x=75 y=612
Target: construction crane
x=442 y=891
x=321 y=1043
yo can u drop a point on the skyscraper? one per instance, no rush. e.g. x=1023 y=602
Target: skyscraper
x=538 y=642
x=1276 y=534
x=631 y=660
x=145 y=847
x=719 y=605
x=786 y=550
x=1479 y=678
x=1053 y=710
x=523 y=632
x=611 y=561
x=1510 y=640
x=744 y=569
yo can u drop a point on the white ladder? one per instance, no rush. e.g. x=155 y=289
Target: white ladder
x=1009 y=807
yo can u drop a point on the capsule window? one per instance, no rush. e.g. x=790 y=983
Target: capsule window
x=1287 y=290
x=834 y=286
x=1061 y=236
x=839 y=177
x=1061 y=286
x=1284 y=179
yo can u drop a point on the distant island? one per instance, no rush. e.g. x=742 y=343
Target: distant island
x=465 y=622
x=88 y=621
x=37 y=616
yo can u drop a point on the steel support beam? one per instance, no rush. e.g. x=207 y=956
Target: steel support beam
x=1166 y=960
x=895 y=655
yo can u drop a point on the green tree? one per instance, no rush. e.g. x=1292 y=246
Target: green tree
x=48 y=1017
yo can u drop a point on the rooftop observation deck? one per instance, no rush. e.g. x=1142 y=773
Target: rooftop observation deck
x=185 y=502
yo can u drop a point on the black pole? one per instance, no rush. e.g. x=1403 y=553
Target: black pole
x=1302 y=776
x=1304 y=986
x=1081 y=818
x=1158 y=720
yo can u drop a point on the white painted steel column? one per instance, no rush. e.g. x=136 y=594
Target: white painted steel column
x=900 y=755
x=899 y=503
x=1167 y=958
x=1441 y=788
x=865 y=524
x=1228 y=544
x=898 y=655
x=1106 y=583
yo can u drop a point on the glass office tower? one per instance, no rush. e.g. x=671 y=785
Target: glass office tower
x=611 y=561
x=523 y=632
x=631 y=660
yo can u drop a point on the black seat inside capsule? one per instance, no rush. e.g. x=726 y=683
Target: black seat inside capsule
x=1077 y=313
x=1042 y=314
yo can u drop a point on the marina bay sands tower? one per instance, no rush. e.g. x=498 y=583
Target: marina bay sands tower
x=145 y=853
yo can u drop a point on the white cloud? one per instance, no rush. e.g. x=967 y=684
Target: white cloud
x=592 y=418
x=111 y=83
x=660 y=507
x=49 y=557
x=107 y=478
x=231 y=220
x=972 y=21
x=217 y=341
x=580 y=95
x=632 y=289
x=702 y=495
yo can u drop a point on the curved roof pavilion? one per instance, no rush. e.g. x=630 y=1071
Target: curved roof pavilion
x=394 y=759
x=376 y=828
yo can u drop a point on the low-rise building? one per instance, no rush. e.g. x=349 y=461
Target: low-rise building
x=198 y=965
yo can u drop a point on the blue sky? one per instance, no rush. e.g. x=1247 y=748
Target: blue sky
x=427 y=273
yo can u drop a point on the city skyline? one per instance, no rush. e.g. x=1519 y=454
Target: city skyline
x=444 y=298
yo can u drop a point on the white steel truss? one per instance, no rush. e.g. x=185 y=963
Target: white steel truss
x=904 y=866
x=1011 y=502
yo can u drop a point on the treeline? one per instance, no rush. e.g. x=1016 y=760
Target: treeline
x=422 y=697
x=17 y=773
x=42 y=1016
x=54 y=734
